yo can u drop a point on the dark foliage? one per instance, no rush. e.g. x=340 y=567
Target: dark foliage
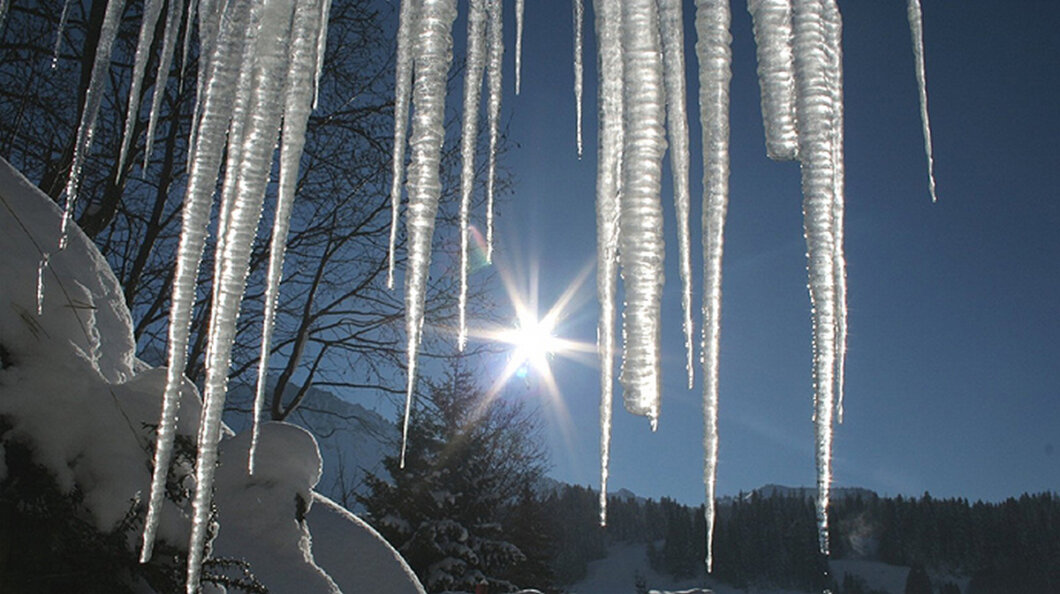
x=462 y=509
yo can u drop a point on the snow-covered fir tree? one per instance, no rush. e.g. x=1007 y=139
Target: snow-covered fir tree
x=469 y=460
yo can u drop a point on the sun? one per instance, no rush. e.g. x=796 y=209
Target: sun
x=534 y=340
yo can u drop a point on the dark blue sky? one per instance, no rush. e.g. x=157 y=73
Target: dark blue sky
x=954 y=361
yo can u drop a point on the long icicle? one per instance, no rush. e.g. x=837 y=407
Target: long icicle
x=776 y=75
x=169 y=41
x=58 y=32
x=640 y=219
x=608 y=176
x=714 y=51
x=205 y=163
x=434 y=47
x=495 y=54
x=152 y=9
x=402 y=95
x=671 y=24
x=579 y=17
x=815 y=112
x=834 y=38
x=250 y=178
x=301 y=88
x=916 y=29
x=93 y=97
x=520 y=6
x=476 y=62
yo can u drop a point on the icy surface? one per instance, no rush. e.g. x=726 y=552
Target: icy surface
x=671 y=25
x=476 y=63
x=608 y=172
x=402 y=95
x=579 y=16
x=248 y=181
x=776 y=75
x=493 y=113
x=212 y=124
x=520 y=8
x=301 y=85
x=58 y=32
x=815 y=110
x=433 y=51
x=93 y=98
x=916 y=29
x=640 y=219
x=715 y=73
x=169 y=40
x=152 y=9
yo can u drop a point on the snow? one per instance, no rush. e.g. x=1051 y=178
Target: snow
x=259 y=513
x=73 y=391
x=379 y=568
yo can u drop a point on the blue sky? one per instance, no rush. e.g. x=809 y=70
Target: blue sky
x=954 y=362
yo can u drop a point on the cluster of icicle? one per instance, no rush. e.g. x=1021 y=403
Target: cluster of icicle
x=259 y=65
x=259 y=62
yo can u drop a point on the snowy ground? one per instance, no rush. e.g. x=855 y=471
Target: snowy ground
x=615 y=574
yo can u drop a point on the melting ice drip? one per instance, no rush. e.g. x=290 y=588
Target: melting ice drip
x=267 y=54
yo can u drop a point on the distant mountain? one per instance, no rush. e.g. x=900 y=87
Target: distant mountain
x=352 y=439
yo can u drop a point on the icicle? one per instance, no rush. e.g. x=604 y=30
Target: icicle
x=189 y=15
x=816 y=115
x=402 y=93
x=209 y=21
x=495 y=53
x=714 y=51
x=476 y=61
x=322 y=46
x=834 y=38
x=671 y=25
x=301 y=87
x=93 y=98
x=776 y=75
x=520 y=5
x=42 y=266
x=3 y=11
x=433 y=54
x=608 y=176
x=578 y=70
x=58 y=33
x=169 y=40
x=152 y=8
x=202 y=176
x=640 y=220
x=916 y=29
x=259 y=141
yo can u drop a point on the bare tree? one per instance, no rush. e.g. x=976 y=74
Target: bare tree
x=337 y=325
